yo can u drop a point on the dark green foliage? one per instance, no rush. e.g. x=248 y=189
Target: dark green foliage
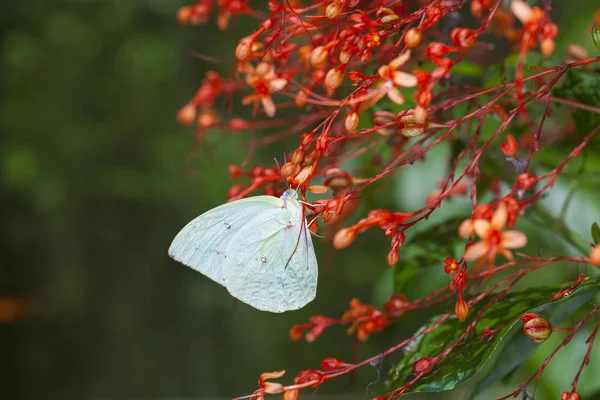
x=473 y=352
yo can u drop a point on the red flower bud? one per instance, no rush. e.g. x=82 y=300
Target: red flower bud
x=461 y=309
x=423 y=365
x=570 y=396
x=235 y=171
x=396 y=305
x=536 y=328
x=463 y=37
x=332 y=364
x=393 y=257
x=186 y=115
x=526 y=181
x=309 y=375
x=436 y=50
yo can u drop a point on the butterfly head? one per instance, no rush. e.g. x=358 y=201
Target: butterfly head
x=289 y=194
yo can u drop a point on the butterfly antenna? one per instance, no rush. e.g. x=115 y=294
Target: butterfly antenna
x=279 y=168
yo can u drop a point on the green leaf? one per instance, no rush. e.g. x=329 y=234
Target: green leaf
x=595 y=233
x=473 y=352
x=468 y=69
x=584 y=87
x=596 y=36
x=519 y=347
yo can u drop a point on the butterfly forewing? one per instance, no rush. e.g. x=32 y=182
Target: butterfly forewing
x=203 y=243
x=271 y=264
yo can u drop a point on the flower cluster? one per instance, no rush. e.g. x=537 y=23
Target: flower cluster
x=378 y=83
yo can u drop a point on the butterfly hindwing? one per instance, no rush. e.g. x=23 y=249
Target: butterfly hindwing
x=271 y=262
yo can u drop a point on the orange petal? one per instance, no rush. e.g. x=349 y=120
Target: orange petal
x=263 y=68
x=513 y=239
x=384 y=71
x=404 y=79
x=400 y=60
x=466 y=228
x=506 y=253
x=271 y=375
x=268 y=105
x=476 y=250
x=251 y=98
x=395 y=96
x=521 y=10
x=482 y=228
x=499 y=217
x=272 y=387
x=277 y=84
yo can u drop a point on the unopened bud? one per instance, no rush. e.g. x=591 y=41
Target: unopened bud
x=317 y=189
x=392 y=257
x=186 y=115
x=331 y=364
x=412 y=38
x=526 y=180
x=343 y=238
x=420 y=115
x=570 y=396
x=290 y=395
x=577 y=52
x=345 y=56
x=184 y=14
x=463 y=37
x=547 y=46
x=334 y=78
x=408 y=126
x=423 y=365
x=436 y=50
x=351 y=121
x=302 y=176
x=595 y=255
x=461 y=309
x=301 y=98
x=297 y=156
x=476 y=8
x=289 y=169
x=243 y=49
x=537 y=328
x=334 y=9
x=386 y=19
x=206 y=119
x=396 y=305
x=314 y=333
x=318 y=55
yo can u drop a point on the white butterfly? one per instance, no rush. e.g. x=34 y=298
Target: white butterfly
x=259 y=248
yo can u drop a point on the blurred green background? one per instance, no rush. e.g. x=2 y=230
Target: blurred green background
x=97 y=178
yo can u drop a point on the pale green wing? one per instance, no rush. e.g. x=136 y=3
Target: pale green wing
x=203 y=243
x=271 y=263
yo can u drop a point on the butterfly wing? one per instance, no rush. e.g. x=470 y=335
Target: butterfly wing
x=271 y=263
x=202 y=244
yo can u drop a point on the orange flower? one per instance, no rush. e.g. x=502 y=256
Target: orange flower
x=451 y=265
x=493 y=240
x=271 y=387
x=391 y=81
x=264 y=81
